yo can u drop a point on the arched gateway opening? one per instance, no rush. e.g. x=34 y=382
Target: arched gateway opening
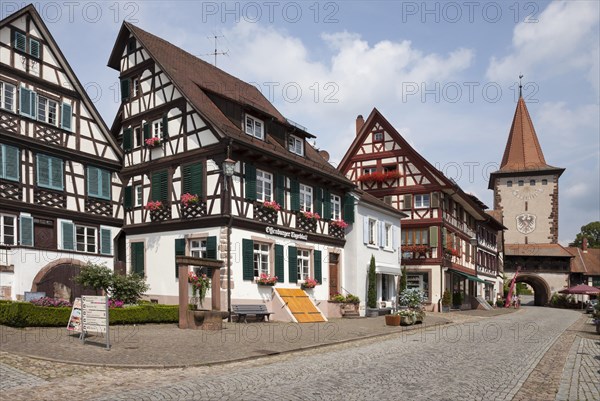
x=56 y=280
x=541 y=290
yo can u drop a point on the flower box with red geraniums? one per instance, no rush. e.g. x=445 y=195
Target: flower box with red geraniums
x=380 y=176
x=153 y=205
x=266 y=280
x=452 y=252
x=416 y=248
x=310 y=215
x=309 y=283
x=339 y=223
x=189 y=199
x=152 y=142
x=271 y=205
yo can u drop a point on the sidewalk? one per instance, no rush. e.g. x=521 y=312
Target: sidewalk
x=158 y=346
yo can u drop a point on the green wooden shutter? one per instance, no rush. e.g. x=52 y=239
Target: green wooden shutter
x=435 y=199
x=137 y=258
x=66 y=116
x=160 y=189
x=179 y=251
x=433 y=236
x=9 y=162
x=348 y=215
x=248 y=259
x=128 y=198
x=407 y=204
x=293 y=264
x=279 y=264
x=26 y=223
x=318 y=268
x=34 y=48
x=294 y=195
x=26 y=98
x=146 y=128
x=318 y=201
x=68 y=235
x=125 y=82
x=165 y=127
x=250 y=180
x=327 y=208
x=444 y=237
x=105 y=181
x=127 y=139
x=43 y=170
x=20 y=42
x=105 y=241
x=280 y=189
x=186 y=176
x=211 y=247
x=196 y=179
x=93 y=180
x=56 y=173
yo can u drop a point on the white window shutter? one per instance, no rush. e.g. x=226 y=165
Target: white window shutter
x=380 y=240
x=365 y=229
x=396 y=237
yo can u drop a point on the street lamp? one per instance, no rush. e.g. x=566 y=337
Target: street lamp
x=228 y=170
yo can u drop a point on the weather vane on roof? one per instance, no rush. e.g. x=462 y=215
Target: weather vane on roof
x=216 y=52
x=520 y=85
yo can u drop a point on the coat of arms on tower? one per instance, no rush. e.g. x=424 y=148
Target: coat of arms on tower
x=526 y=223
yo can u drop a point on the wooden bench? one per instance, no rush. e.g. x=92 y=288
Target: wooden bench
x=260 y=311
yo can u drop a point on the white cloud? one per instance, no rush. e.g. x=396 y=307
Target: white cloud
x=564 y=38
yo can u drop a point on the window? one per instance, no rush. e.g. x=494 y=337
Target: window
x=390 y=168
x=296 y=145
x=46 y=110
x=378 y=136
x=49 y=172
x=369 y=170
x=20 y=41
x=34 y=48
x=372 y=229
x=135 y=87
x=131 y=45
x=27 y=105
x=387 y=236
x=544 y=182
x=509 y=184
x=85 y=239
x=9 y=162
x=422 y=201
x=7 y=229
x=157 y=129
x=66 y=113
x=336 y=207
x=532 y=183
x=264 y=186
x=137 y=135
x=254 y=127
x=98 y=183
x=521 y=183
x=303 y=264
x=419 y=281
x=139 y=196
x=306 y=198
x=198 y=248
x=261 y=259
x=137 y=258
x=415 y=236
x=7 y=96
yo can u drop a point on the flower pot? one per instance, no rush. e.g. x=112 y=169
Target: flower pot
x=392 y=320
x=420 y=317
x=407 y=320
x=445 y=308
x=304 y=287
x=372 y=312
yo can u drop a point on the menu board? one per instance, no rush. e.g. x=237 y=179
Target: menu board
x=94 y=313
x=74 y=324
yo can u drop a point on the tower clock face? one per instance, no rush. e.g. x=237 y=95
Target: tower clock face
x=527 y=193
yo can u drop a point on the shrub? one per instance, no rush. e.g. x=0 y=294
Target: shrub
x=98 y=277
x=500 y=303
x=446 y=298
x=352 y=299
x=51 y=302
x=372 y=290
x=128 y=289
x=412 y=297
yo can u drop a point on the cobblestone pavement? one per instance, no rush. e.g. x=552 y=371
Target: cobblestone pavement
x=479 y=359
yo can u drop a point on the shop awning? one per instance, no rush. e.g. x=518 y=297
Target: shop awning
x=387 y=269
x=468 y=276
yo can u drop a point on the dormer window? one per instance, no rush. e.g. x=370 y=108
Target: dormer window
x=378 y=137
x=254 y=127
x=296 y=145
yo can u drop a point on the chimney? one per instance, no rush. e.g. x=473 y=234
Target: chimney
x=584 y=244
x=360 y=121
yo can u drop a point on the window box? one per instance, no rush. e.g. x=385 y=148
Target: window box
x=307 y=221
x=266 y=214
x=379 y=176
x=193 y=210
x=336 y=230
x=266 y=280
x=309 y=283
x=153 y=142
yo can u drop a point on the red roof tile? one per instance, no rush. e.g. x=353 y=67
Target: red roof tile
x=587 y=263
x=536 y=250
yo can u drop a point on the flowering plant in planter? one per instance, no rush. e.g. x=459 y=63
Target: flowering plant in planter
x=189 y=199
x=51 y=302
x=339 y=223
x=310 y=283
x=311 y=215
x=452 y=251
x=271 y=205
x=152 y=142
x=379 y=176
x=265 y=279
x=153 y=205
x=416 y=248
x=200 y=285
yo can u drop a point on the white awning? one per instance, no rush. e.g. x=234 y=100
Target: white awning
x=388 y=269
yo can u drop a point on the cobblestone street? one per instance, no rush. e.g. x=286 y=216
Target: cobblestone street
x=478 y=359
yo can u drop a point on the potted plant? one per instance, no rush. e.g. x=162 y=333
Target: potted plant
x=189 y=199
x=446 y=301
x=392 y=319
x=153 y=206
x=271 y=206
x=152 y=142
x=200 y=285
x=372 y=290
x=309 y=283
x=407 y=317
x=267 y=280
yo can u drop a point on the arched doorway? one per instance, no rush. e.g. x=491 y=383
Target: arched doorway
x=56 y=280
x=541 y=290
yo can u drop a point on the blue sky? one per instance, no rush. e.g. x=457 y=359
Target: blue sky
x=443 y=73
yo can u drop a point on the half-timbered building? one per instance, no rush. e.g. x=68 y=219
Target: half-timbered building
x=438 y=238
x=180 y=120
x=59 y=186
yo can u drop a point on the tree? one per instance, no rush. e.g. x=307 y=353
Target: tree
x=128 y=289
x=372 y=289
x=591 y=231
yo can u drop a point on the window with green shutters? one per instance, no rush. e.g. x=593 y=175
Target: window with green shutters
x=179 y=251
x=250 y=180
x=34 y=48
x=127 y=139
x=125 y=83
x=105 y=241
x=280 y=189
x=318 y=268
x=49 y=172
x=293 y=264
x=160 y=186
x=327 y=209
x=318 y=201
x=19 y=41
x=279 y=263
x=128 y=197
x=66 y=113
x=147 y=133
x=294 y=195
x=67 y=229
x=165 y=127
x=248 y=259
x=211 y=247
x=9 y=162
x=348 y=208
x=26 y=230
x=27 y=102
x=98 y=183
x=137 y=258
x=193 y=179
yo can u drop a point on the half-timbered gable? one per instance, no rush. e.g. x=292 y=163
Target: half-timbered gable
x=59 y=176
x=438 y=236
x=180 y=118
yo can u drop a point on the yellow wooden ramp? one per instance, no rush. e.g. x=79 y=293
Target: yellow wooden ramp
x=300 y=305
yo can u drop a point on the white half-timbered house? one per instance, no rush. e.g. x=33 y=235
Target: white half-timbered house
x=180 y=118
x=439 y=234
x=59 y=164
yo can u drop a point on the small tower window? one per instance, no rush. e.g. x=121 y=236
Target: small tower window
x=532 y=183
x=521 y=183
x=509 y=183
x=544 y=182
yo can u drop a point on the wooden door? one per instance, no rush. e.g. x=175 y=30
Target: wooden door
x=334 y=287
x=44 y=235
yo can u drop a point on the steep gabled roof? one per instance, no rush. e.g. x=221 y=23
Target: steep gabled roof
x=587 y=262
x=198 y=80
x=61 y=59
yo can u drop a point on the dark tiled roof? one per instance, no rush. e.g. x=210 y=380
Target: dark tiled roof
x=556 y=250
x=585 y=262
x=368 y=198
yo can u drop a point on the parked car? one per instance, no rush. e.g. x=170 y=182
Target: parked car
x=591 y=306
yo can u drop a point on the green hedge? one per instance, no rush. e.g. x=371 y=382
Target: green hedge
x=24 y=314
